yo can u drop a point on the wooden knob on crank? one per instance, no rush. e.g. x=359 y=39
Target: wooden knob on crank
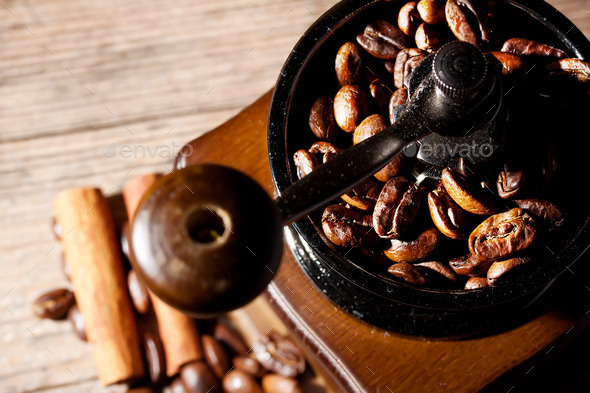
x=206 y=239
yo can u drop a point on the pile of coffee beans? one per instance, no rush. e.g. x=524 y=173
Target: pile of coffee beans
x=274 y=364
x=479 y=224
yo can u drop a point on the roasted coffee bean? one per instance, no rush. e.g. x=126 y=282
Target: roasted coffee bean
x=215 y=356
x=469 y=265
x=408 y=18
x=475 y=200
x=138 y=292
x=305 y=162
x=226 y=335
x=476 y=283
x=348 y=228
x=415 y=246
x=446 y=215
x=396 y=208
x=503 y=235
x=363 y=196
x=77 y=320
x=510 y=182
x=237 y=381
x=405 y=62
x=576 y=68
x=442 y=271
x=274 y=383
x=432 y=11
x=279 y=355
x=525 y=47
x=500 y=271
x=429 y=38
x=249 y=365
x=513 y=66
x=54 y=304
x=176 y=386
x=547 y=213
x=397 y=104
x=154 y=356
x=321 y=118
x=382 y=40
x=350 y=107
x=197 y=378
x=468 y=21
x=324 y=148
x=408 y=272
x=381 y=94
x=349 y=64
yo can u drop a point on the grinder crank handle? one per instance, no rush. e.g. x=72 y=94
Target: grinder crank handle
x=207 y=239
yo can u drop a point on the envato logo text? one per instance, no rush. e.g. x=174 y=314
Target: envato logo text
x=135 y=150
x=448 y=149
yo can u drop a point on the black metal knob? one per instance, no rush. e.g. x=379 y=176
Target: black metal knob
x=459 y=69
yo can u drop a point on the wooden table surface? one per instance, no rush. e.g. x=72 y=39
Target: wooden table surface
x=94 y=93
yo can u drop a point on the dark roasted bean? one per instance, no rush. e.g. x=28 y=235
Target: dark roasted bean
x=397 y=104
x=510 y=182
x=382 y=40
x=405 y=62
x=545 y=212
x=323 y=148
x=197 y=378
x=525 y=46
x=249 y=365
x=154 y=356
x=414 y=247
x=443 y=271
x=428 y=38
x=474 y=200
x=54 y=304
x=349 y=64
x=476 y=283
x=396 y=208
x=408 y=18
x=237 y=381
x=432 y=11
x=348 y=228
x=77 y=320
x=305 y=162
x=350 y=107
x=226 y=335
x=363 y=196
x=274 y=383
x=513 y=66
x=138 y=292
x=381 y=94
x=503 y=235
x=468 y=21
x=577 y=68
x=446 y=215
x=215 y=356
x=469 y=265
x=408 y=272
x=321 y=118
x=500 y=271
x=279 y=355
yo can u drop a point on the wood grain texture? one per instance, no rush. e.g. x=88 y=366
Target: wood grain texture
x=82 y=83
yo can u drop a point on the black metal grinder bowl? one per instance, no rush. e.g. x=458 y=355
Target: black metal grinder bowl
x=359 y=284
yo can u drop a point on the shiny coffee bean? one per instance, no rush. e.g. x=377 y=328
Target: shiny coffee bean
x=176 y=386
x=215 y=356
x=475 y=200
x=415 y=246
x=324 y=148
x=77 y=320
x=197 y=377
x=305 y=162
x=405 y=62
x=408 y=18
x=396 y=208
x=547 y=213
x=349 y=64
x=442 y=271
x=468 y=21
x=350 y=107
x=274 y=383
x=155 y=359
x=501 y=271
x=576 y=68
x=237 y=381
x=363 y=196
x=510 y=182
x=446 y=215
x=249 y=365
x=503 y=235
x=476 y=283
x=279 y=355
x=432 y=11
x=429 y=38
x=348 y=228
x=138 y=292
x=513 y=66
x=321 y=118
x=526 y=47
x=382 y=40
x=469 y=265
x=381 y=93
x=54 y=304
x=397 y=104
x=408 y=272
x=226 y=335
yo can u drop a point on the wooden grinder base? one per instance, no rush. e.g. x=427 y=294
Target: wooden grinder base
x=350 y=354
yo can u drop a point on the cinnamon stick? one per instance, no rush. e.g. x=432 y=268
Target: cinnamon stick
x=178 y=332
x=92 y=250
